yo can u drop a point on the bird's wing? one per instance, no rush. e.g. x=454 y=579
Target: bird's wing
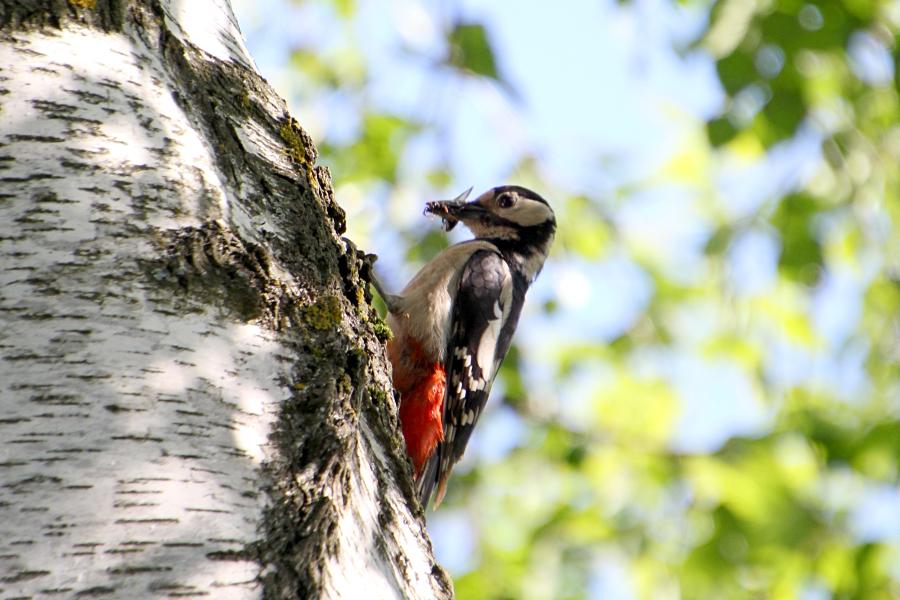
x=478 y=343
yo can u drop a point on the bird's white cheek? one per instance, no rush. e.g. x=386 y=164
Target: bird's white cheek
x=529 y=213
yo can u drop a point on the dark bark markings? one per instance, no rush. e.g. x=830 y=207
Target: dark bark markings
x=338 y=372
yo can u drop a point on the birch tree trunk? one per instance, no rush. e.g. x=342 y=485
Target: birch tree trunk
x=194 y=398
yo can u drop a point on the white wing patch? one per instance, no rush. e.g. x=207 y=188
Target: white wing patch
x=487 y=347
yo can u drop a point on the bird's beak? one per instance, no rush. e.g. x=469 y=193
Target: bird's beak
x=454 y=211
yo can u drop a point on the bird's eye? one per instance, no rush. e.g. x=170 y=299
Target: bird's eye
x=506 y=200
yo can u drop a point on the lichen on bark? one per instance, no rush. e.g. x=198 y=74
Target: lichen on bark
x=179 y=303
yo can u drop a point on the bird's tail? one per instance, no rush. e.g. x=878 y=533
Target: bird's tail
x=427 y=479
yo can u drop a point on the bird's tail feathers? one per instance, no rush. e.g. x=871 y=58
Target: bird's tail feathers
x=428 y=477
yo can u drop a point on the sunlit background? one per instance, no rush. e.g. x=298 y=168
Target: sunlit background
x=703 y=398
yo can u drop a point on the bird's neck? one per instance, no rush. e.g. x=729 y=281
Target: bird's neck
x=526 y=255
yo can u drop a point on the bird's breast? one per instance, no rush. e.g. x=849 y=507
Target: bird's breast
x=427 y=301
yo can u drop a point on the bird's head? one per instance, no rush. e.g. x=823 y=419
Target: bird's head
x=507 y=212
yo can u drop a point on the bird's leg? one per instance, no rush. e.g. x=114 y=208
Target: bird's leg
x=392 y=301
x=367 y=271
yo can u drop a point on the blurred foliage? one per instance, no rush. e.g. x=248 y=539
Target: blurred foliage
x=471 y=51
x=600 y=497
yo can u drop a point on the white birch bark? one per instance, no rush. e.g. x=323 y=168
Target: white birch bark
x=192 y=398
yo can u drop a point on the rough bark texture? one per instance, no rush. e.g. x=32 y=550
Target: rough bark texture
x=194 y=397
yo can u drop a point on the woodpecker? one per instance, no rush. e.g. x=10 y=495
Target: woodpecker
x=453 y=323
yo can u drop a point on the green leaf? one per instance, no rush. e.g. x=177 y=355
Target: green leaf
x=737 y=71
x=801 y=254
x=784 y=113
x=720 y=131
x=471 y=51
x=375 y=154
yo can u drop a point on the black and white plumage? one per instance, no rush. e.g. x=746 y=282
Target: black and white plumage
x=461 y=311
x=484 y=318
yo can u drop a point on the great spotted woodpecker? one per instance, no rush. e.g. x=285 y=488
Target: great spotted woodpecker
x=454 y=321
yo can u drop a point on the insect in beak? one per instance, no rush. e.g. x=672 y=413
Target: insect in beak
x=450 y=211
